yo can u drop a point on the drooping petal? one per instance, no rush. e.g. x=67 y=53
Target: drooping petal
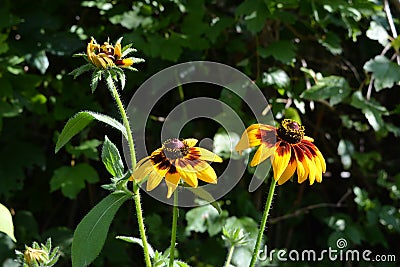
x=172 y=180
x=154 y=180
x=262 y=153
x=186 y=171
x=289 y=171
x=205 y=154
x=143 y=170
x=281 y=159
x=302 y=170
x=322 y=160
x=190 y=142
x=307 y=138
x=205 y=172
x=318 y=174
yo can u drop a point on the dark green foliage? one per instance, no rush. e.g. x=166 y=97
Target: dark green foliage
x=335 y=64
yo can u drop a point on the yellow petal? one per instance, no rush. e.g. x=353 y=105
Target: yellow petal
x=190 y=142
x=188 y=174
x=318 y=174
x=117 y=51
x=291 y=168
x=172 y=181
x=322 y=160
x=153 y=181
x=205 y=172
x=308 y=138
x=302 y=172
x=207 y=155
x=142 y=171
x=281 y=159
x=262 y=153
x=311 y=168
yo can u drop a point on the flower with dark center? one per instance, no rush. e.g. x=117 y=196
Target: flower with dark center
x=106 y=55
x=176 y=160
x=288 y=148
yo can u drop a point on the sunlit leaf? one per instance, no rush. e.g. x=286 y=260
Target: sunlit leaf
x=385 y=72
x=6 y=223
x=91 y=232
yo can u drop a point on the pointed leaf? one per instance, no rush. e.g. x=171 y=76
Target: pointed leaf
x=82 y=69
x=6 y=224
x=91 y=233
x=204 y=195
x=138 y=241
x=96 y=77
x=112 y=159
x=80 y=121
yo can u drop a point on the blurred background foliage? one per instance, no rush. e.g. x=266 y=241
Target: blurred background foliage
x=334 y=64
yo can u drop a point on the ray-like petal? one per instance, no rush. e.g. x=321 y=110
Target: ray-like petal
x=318 y=174
x=190 y=142
x=172 y=180
x=187 y=172
x=142 y=171
x=307 y=138
x=281 y=159
x=289 y=171
x=117 y=51
x=262 y=153
x=321 y=159
x=154 y=180
x=205 y=172
x=302 y=170
x=206 y=154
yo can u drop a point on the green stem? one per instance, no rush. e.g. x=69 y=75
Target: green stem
x=174 y=227
x=229 y=258
x=138 y=204
x=263 y=223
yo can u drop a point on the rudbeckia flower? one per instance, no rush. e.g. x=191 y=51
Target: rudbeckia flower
x=288 y=148
x=176 y=160
x=106 y=55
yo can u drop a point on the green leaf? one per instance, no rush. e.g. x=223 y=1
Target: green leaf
x=378 y=33
x=333 y=87
x=372 y=110
x=6 y=224
x=138 y=241
x=82 y=69
x=331 y=41
x=96 y=77
x=112 y=159
x=276 y=77
x=283 y=51
x=40 y=61
x=345 y=151
x=91 y=232
x=385 y=72
x=71 y=180
x=80 y=121
x=205 y=218
x=204 y=195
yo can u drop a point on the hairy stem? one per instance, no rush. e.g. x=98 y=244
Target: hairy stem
x=229 y=258
x=263 y=223
x=138 y=203
x=173 y=232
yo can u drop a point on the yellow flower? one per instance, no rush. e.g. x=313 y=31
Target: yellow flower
x=177 y=159
x=35 y=256
x=106 y=55
x=288 y=148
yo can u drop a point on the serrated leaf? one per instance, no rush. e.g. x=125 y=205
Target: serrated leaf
x=127 y=50
x=6 y=223
x=82 y=69
x=96 y=77
x=109 y=79
x=372 y=110
x=335 y=88
x=385 y=72
x=71 y=180
x=112 y=159
x=80 y=121
x=121 y=76
x=138 y=241
x=91 y=232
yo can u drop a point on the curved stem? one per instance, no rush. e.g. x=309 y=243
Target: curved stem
x=138 y=204
x=173 y=233
x=229 y=258
x=263 y=223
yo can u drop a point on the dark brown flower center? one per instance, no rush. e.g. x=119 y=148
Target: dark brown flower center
x=175 y=148
x=291 y=131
